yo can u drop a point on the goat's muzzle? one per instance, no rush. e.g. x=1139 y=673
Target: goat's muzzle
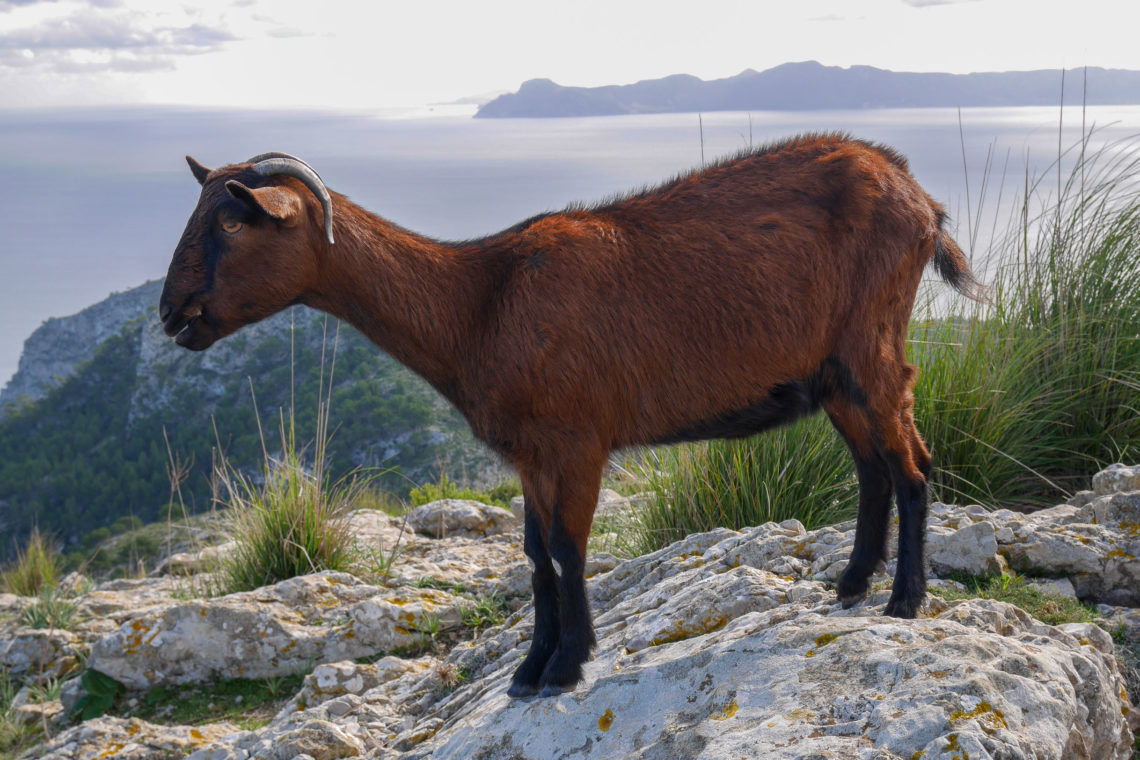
x=188 y=327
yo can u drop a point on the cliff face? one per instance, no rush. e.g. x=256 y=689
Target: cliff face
x=60 y=344
x=85 y=422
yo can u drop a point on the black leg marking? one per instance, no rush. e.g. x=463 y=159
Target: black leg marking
x=870 y=528
x=576 y=639
x=910 y=577
x=546 y=625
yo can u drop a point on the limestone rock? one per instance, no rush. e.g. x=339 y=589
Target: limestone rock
x=460 y=517
x=121 y=599
x=37 y=713
x=717 y=645
x=971 y=549
x=130 y=739
x=11 y=605
x=1116 y=478
x=272 y=631
x=336 y=679
x=320 y=740
x=1055 y=586
x=1095 y=545
x=189 y=563
x=981 y=676
x=376 y=530
x=481 y=565
x=41 y=653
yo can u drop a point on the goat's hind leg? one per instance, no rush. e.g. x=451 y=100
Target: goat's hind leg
x=874 y=501
x=544 y=585
x=910 y=467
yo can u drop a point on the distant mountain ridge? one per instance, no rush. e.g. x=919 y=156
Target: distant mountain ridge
x=812 y=86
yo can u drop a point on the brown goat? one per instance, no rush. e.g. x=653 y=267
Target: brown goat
x=726 y=301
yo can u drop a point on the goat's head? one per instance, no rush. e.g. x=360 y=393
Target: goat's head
x=250 y=249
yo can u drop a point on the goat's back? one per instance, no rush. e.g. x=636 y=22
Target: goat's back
x=681 y=302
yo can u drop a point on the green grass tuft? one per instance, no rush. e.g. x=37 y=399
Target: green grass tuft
x=37 y=566
x=292 y=520
x=487 y=610
x=1053 y=609
x=50 y=610
x=15 y=736
x=290 y=524
x=802 y=472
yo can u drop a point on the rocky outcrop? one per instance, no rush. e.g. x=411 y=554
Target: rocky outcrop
x=725 y=644
x=130 y=739
x=53 y=351
x=460 y=517
x=274 y=631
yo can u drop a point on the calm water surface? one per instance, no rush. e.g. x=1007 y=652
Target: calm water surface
x=94 y=201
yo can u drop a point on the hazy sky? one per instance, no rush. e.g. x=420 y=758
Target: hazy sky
x=363 y=55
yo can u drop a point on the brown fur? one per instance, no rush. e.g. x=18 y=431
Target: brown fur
x=786 y=271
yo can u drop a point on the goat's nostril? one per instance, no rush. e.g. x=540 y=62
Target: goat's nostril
x=164 y=311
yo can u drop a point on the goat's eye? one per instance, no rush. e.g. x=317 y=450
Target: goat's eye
x=230 y=227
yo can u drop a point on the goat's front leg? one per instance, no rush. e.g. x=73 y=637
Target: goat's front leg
x=569 y=532
x=544 y=584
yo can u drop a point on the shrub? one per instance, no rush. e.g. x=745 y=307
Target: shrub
x=499 y=495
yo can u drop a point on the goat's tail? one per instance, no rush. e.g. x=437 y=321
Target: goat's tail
x=952 y=266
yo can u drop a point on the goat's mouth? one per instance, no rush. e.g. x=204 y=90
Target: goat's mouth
x=190 y=329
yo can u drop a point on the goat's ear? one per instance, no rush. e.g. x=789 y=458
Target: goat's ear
x=278 y=203
x=200 y=172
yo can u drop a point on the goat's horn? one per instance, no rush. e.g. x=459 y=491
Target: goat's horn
x=282 y=163
x=275 y=154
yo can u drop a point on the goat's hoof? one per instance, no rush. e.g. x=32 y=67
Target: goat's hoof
x=522 y=690
x=850 y=594
x=849 y=598
x=902 y=607
x=553 y=690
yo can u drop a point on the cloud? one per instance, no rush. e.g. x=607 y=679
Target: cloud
x=929 y=3
x=99 y=37
x=7 y=5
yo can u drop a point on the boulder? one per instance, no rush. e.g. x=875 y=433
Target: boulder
x=1116 y=478
x=335 y=679
x=273 y=631
x=202 y=560
x=48 y=653
x=460 y=517
x=971 y=549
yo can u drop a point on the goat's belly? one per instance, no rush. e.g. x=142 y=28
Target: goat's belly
x=785 y=404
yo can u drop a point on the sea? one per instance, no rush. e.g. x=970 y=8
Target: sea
x=94 y=201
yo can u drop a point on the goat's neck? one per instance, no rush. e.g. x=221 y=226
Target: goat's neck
x=413 y=297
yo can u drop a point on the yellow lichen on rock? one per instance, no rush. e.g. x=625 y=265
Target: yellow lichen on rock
x=728 y=711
